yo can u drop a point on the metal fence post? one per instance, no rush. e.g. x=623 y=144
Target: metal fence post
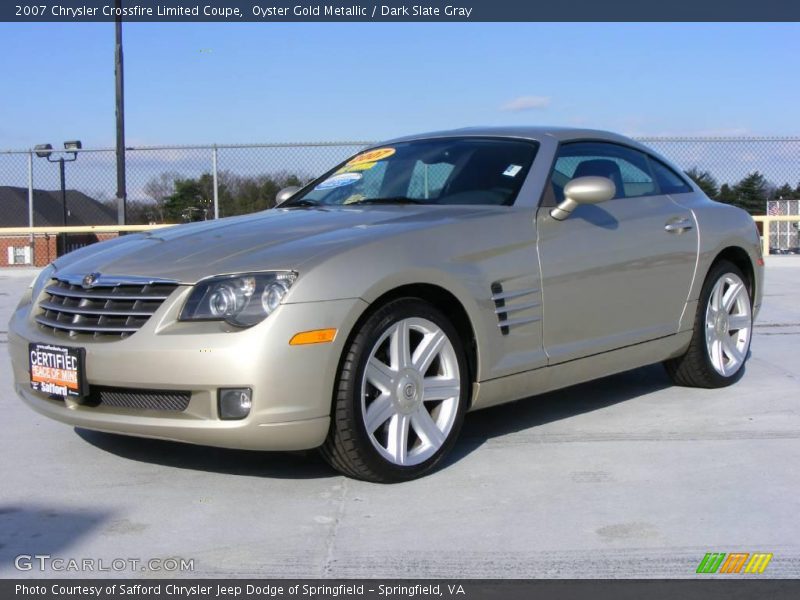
x=216 y=182
x=30 y=206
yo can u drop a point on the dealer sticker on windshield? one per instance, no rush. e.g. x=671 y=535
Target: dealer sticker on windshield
x=372 y=156
x=339 y=181
x=57 y=370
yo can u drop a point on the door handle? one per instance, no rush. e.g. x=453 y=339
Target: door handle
x=679 y=225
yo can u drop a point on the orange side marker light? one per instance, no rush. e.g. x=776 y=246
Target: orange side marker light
x=317 y=336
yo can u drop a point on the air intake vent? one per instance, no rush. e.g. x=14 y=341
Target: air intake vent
x=115 y=309
x=170 y=400
x=509 y=304
x=499 y=303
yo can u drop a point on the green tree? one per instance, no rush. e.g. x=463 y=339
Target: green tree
x=705 y=181
x=247 y=194
x=726 y=194
x=785 y=192
x=189 y=202
x=752 y=193
x=193 y=199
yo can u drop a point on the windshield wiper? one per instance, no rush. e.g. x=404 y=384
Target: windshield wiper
x=302 y=202
x=389 y=200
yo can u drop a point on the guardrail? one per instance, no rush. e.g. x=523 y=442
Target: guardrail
x=37 y=246
x=766 y=220
x=4 y=231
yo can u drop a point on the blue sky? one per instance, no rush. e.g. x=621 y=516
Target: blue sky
x=255 y=82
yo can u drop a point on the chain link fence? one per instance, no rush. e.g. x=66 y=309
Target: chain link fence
x=730 y=160
x=166 y=184
x=173 y=184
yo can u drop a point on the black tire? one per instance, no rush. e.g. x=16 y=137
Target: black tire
x=694 y=368
x=348 y=447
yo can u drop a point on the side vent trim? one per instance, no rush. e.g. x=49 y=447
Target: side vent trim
x=509 y=309
x=530 y=299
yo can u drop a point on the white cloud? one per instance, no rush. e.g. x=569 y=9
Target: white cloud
x=526 y=103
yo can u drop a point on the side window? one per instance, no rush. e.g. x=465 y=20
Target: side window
x=668 y=180
x=629 y=169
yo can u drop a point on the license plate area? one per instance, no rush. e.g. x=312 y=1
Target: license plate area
x=57 y=371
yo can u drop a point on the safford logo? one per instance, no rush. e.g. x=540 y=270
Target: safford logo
x=89 y=280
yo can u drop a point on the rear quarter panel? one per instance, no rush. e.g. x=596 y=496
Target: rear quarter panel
x=721 y=226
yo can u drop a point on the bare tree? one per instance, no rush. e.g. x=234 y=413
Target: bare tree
x=159 y=189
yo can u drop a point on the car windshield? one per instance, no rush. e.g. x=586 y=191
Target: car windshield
x=434 y=171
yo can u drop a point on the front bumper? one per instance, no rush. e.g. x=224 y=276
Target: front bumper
x=292 y=385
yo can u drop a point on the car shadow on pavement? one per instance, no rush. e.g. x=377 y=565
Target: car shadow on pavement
x=478 y=428
x=279 y=465
x=482 y=425
x=28 y=530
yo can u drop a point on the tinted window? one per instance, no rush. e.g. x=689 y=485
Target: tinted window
x=428 y=180
x=439 y=171
x=629 y=169
x=668 y=180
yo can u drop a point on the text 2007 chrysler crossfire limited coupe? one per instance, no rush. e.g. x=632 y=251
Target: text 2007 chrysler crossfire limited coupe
x=422 y=278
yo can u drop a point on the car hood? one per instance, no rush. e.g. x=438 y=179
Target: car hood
x=278 y=239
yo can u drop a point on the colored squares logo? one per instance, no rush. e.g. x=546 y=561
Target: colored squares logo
x=735 y=562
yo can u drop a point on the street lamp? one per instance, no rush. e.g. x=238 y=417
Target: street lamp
x=69 y=154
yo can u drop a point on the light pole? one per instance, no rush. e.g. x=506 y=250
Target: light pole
x=119 y=80
x=70 y=149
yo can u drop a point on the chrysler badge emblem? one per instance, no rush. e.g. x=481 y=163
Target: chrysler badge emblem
x=90 y=280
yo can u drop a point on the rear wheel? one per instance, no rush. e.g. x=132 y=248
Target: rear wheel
x=722 y=332
x=400 y=396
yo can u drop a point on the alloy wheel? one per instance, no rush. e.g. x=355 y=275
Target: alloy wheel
x=729 y=324
x=410 y=391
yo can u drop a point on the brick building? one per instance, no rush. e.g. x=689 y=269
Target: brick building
x=47 y=212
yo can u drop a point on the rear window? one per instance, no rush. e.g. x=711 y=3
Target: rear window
x=668 y=180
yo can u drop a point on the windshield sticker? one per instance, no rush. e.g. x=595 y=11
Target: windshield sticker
x=354 y=198
x=372 y=156
x=512 y=170
x=356 y=167
x=339 y=181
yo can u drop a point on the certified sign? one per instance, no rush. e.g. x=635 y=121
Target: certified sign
x=57 y=370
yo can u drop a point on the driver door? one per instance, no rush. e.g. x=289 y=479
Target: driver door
x=617 y=273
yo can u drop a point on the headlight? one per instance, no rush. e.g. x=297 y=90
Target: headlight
x=241 y=300
x=41 y=280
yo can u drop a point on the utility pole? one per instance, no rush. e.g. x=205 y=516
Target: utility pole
x=120 y=110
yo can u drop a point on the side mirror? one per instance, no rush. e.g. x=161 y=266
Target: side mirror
x=285 y=194
x=584 y=190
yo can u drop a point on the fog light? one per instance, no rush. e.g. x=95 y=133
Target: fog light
x=235 y=403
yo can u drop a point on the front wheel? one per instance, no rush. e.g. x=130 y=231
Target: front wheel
x=400 y=396
x=722 y=331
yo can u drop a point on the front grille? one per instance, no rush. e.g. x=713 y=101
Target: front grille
x=141 y=399
x=115 y=309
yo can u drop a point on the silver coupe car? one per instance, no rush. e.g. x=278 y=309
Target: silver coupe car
x=371 y=309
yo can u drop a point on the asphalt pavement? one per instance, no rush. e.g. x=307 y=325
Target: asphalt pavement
x=627 y=476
